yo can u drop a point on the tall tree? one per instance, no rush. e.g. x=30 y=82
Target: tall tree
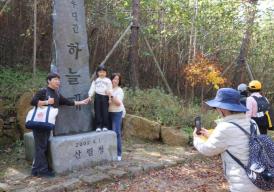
x=133 y=57
x=193 y=34
x=241 y=63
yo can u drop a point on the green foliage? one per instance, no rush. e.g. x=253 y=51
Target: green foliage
x=219 y=27
x=15 y=82
x=166 y=109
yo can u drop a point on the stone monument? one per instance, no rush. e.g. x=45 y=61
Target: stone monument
x=73 y=145
x=71 y=59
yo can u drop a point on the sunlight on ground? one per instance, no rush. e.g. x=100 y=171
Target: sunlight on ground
x=15 y=174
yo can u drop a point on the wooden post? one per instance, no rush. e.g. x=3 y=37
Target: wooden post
x=238 y=74
x=4 y=7
x=113 y=48
x=250 y=74
x=158 y=66
x=133 y=57
x=34 y=37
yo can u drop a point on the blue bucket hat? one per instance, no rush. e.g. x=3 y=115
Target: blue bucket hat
x=229 y=99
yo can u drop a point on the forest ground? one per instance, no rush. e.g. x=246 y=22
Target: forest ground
x=194 y=172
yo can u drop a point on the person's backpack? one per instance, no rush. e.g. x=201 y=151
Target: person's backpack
x=271 y=118
x=263 y=118
x=243 y=100
x=260 y=166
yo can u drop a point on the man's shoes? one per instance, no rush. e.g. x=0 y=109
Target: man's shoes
x=98 y=130
x=105 y=129
x=34 y=174
x=47 y=174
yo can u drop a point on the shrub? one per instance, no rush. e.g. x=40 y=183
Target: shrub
x=15 y=82
x=166 y=109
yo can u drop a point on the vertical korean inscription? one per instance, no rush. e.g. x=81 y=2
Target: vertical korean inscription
x=71 y=57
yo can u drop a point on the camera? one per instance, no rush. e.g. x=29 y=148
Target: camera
x=198 y=125
x=267 y=176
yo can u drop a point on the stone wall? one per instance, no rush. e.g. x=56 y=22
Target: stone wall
x=9 y=132
x=22 y=108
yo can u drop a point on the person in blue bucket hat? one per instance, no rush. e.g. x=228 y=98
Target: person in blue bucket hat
x=227 y=136
x=229 y=99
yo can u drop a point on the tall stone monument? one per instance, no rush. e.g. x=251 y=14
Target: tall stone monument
x=71 y=60
x=73 y=145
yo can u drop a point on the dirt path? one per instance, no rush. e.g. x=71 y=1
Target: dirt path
x=199 y=175
x=146 y=167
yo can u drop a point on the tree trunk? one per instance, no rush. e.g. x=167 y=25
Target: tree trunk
x=133 y=50
x=34 y=37
x=192 y=39
x=240 y=75
x=195 y=29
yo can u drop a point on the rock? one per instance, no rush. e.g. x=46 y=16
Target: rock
x=96 y=178
x=71 y=184
x=153 y=166
x=12 y=119
x=103 y=168
x=16 y=175
x=134 y=170
x=4 y=140
x=117 y=173
x=4 y=187
x=55 y=188
x=174 y=137
x=22 y=108
x=141 y=127
x=12 y=133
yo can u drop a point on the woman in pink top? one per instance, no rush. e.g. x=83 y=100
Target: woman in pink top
x=252 y=101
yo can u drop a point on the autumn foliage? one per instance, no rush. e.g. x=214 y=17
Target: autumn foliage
x=203 y=71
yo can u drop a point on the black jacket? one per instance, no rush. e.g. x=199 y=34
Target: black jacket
x=44 y=93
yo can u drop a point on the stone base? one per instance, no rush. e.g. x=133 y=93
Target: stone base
x=82 y=150
x=77 y=151
x=29 y=146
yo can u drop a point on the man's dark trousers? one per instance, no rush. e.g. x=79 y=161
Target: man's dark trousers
x=40 y=162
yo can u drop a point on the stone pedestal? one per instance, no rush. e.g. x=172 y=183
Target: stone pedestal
x=29 y=146
x=77 y=151
x=82 y=150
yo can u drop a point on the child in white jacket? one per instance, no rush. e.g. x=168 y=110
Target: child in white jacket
x=101 y=88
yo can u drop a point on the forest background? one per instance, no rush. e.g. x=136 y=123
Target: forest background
x=187 y=47
x=180 y=32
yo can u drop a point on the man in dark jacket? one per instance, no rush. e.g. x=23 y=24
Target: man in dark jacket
x=47 y=96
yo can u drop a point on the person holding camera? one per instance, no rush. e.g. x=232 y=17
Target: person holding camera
x=227 y=136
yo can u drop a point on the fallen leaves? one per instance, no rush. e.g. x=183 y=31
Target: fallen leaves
x=197 y=175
